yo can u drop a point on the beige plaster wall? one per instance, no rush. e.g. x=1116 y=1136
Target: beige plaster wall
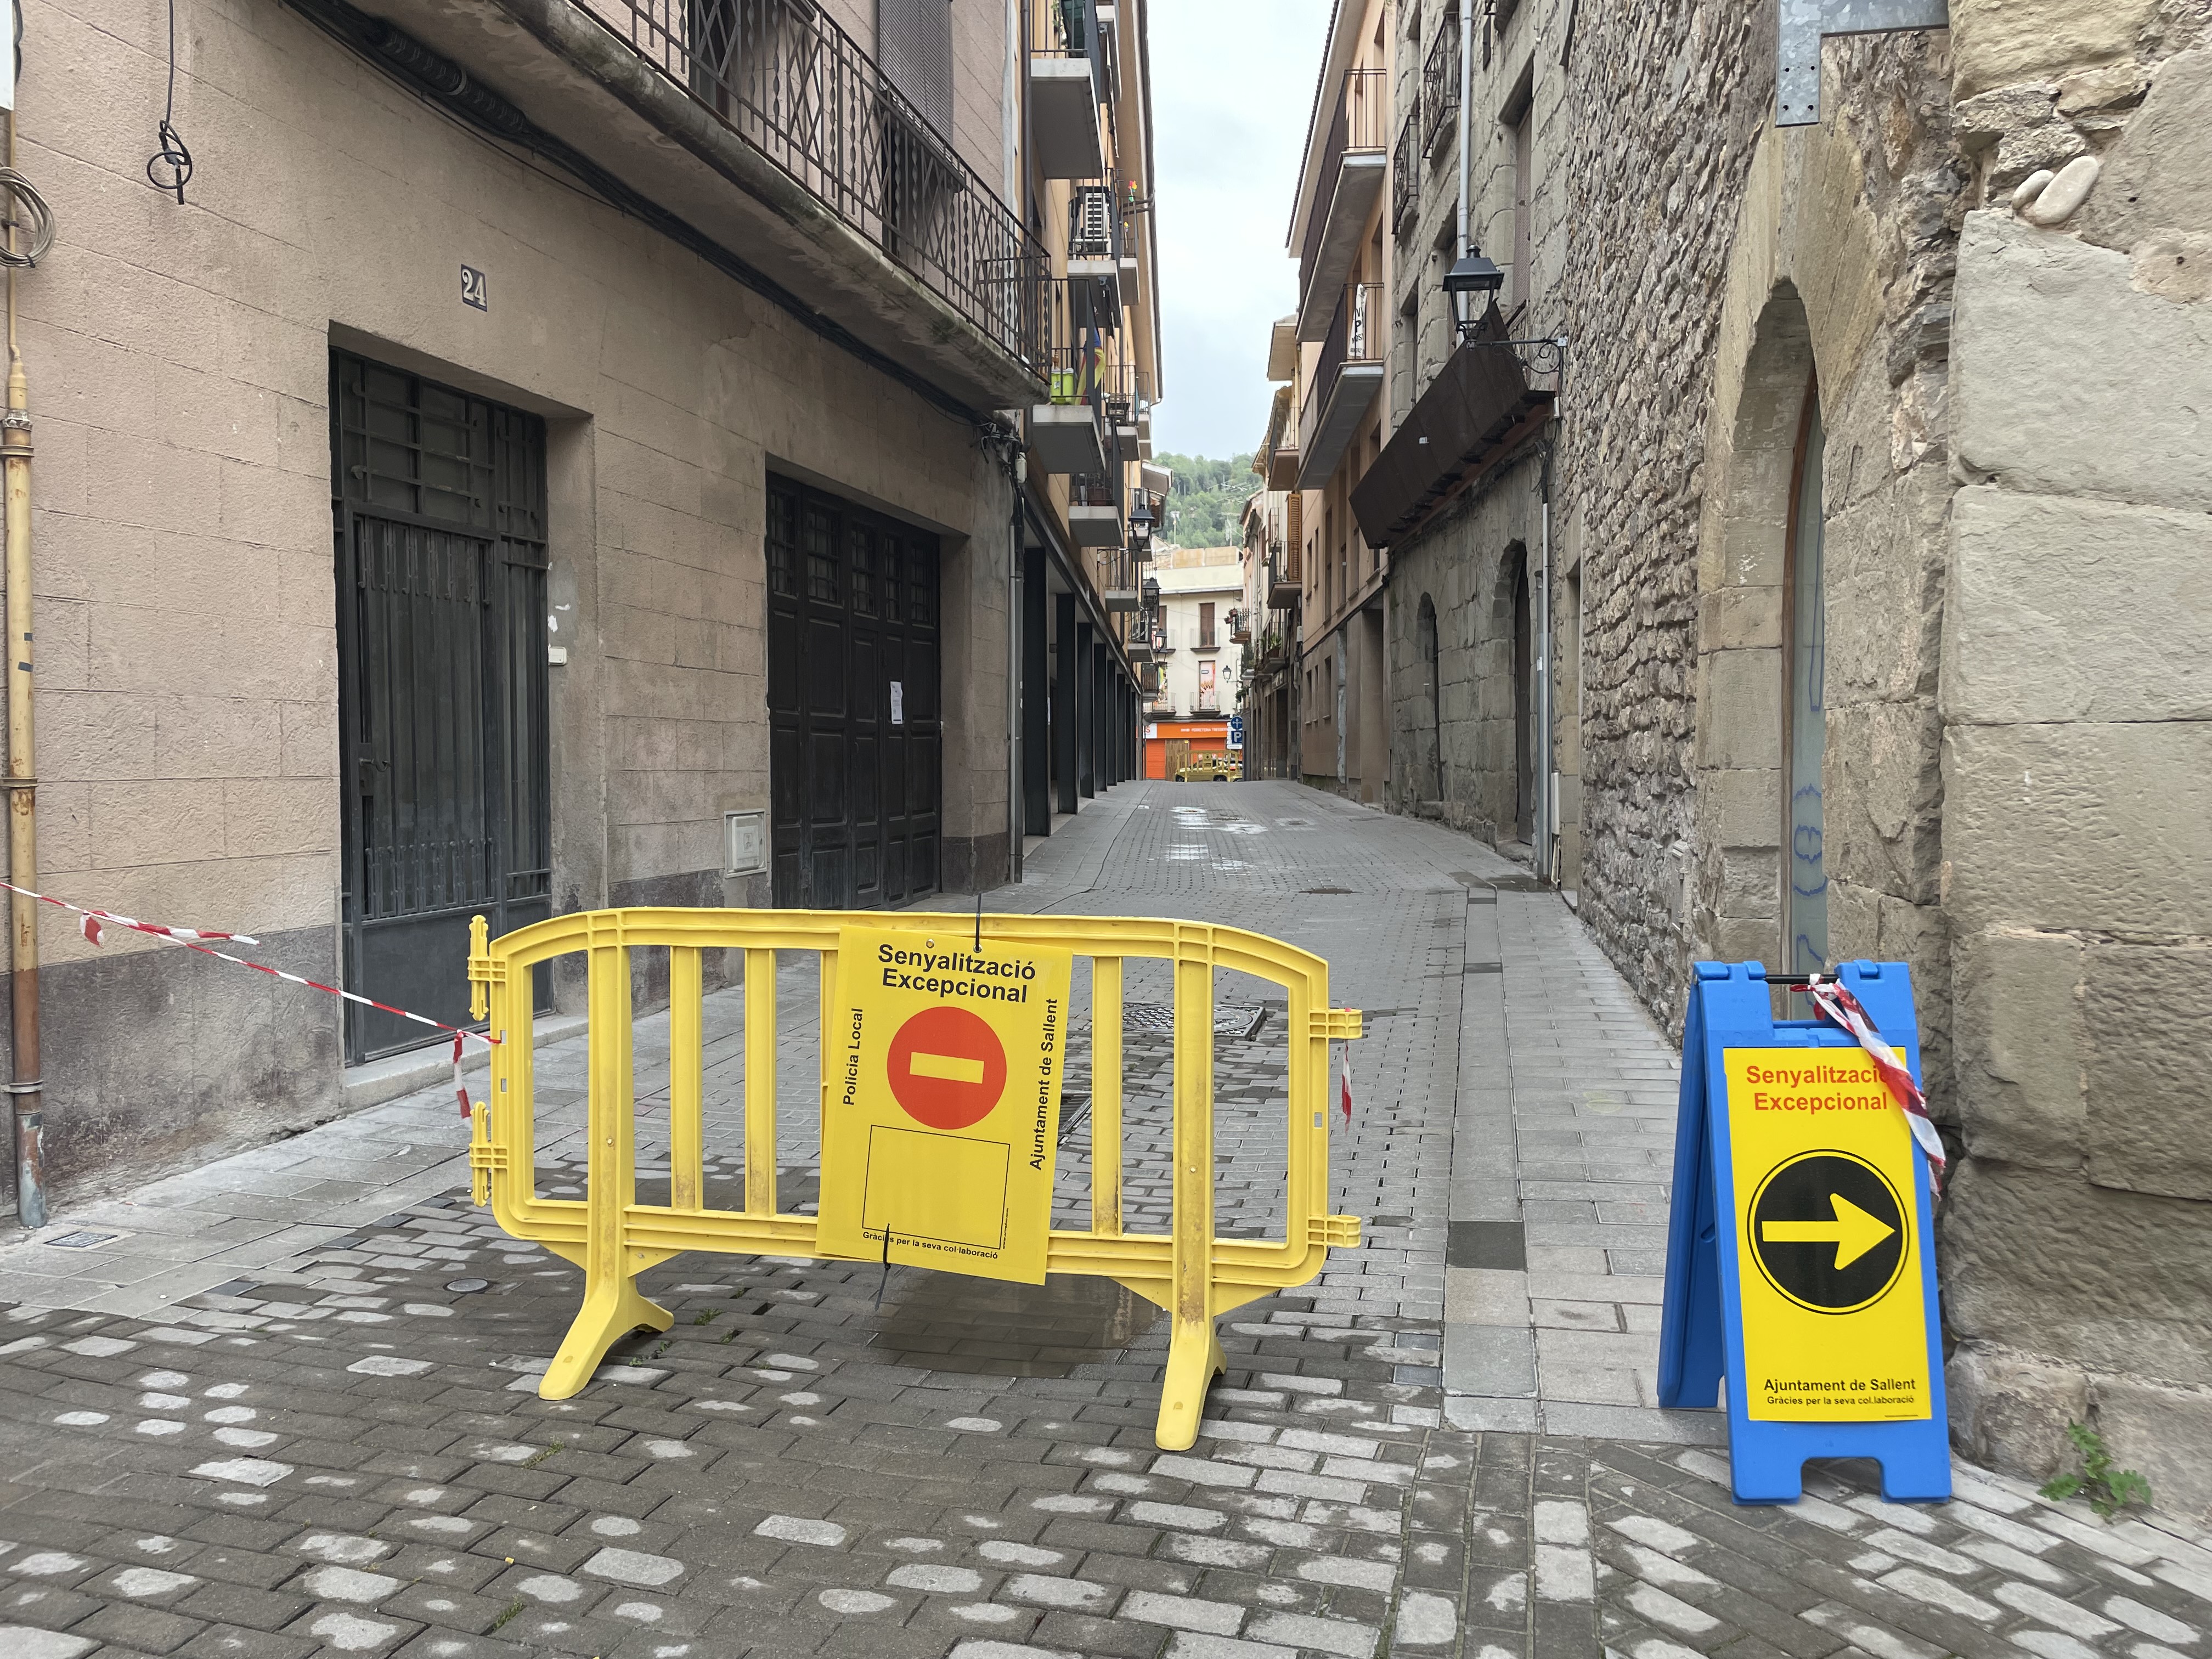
x=179 y=360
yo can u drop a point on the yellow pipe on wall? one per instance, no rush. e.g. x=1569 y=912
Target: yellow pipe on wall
x=24 y=1086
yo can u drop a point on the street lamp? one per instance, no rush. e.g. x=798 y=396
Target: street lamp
x=1142 y=519
x=1477 y=274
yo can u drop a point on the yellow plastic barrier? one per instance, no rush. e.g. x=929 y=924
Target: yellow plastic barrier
x=1188 y=1272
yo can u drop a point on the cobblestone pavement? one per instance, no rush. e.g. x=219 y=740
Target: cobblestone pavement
x=339 y=1449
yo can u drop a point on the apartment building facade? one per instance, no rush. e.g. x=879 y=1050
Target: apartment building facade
x=1273 y=524
x=1338 y=339
x=1785 y=528
x=548 y=456
x=1196 y=621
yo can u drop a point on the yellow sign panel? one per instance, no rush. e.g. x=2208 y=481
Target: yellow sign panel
x=1828 y=1244
x=942 y=1119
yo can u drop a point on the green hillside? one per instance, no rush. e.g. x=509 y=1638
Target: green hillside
x=1206 y=500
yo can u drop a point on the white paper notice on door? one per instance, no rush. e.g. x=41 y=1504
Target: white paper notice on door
x=899 y=702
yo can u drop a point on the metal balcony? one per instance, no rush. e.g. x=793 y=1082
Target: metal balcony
x=1406 y=173
x=1352 y=165
x=1346 y=380
x=1068 y=81
x=1094 y=513
x=1439 y=94
x=1094 y=252
x=1067 y=432
x=759 y=136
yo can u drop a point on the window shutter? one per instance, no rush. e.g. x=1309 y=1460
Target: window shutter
x=914 y=44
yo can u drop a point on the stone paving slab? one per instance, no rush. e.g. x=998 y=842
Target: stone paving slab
x=337 y=1448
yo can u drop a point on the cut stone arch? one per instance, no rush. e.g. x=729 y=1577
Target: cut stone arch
x=1743 y=683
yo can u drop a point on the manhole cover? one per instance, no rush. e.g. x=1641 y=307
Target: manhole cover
x=465 y=1286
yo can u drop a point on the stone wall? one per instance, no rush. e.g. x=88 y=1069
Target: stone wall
x=2014 y=609
x=2077 y=740
x=1669 y=101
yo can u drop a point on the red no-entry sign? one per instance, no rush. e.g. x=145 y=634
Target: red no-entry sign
x=947 y=1068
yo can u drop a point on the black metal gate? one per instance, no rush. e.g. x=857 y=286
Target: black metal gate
x=438 y=511
x=855 y=734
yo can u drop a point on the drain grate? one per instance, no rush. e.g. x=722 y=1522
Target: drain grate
x=1327 y=890
x=1242 y=1024
x=80 y=1241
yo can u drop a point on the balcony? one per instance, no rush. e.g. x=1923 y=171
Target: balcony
x=1067 y=433
x=1352 y=164
x=1068 y=81
x=1131 y=253
x=1094 y=512
x=1209 y=702
x=1476 y=412
x=1345 y=383
x=1094 y=254
x=759 y=136
x=1406 y=173
x=1439 y=95
x=1240 y=628
x=1282 y=588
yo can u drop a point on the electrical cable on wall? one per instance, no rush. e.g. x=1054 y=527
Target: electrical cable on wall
x=33 y=221
x=172 y=159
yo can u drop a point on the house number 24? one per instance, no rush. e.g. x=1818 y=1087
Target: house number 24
x=474 y=290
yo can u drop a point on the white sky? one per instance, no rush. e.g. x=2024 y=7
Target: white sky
x=1232 y=87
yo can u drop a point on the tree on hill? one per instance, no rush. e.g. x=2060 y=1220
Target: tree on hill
x=1206 y=500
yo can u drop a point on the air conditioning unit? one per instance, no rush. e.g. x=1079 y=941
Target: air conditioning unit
x=1091 y=233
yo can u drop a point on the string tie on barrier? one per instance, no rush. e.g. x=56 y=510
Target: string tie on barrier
x=1845 y=1010
x=94 y=923
x=1343 y=1093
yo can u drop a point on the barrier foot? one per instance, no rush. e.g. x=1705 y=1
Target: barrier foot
x=1194 y=1359
x=606 y=1316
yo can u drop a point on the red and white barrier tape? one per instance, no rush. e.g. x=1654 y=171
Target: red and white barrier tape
x=1841 y=1006
x=1343 y=1091
x=192 y=939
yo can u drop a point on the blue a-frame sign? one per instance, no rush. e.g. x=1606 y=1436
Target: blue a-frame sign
x=1701 y=1342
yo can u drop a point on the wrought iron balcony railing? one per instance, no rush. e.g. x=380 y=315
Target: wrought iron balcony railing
x=1439 y=94
x=1405 y=171
x=1363 y=112
x=787 y=80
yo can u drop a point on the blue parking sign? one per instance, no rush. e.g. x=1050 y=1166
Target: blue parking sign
x=1235 y=731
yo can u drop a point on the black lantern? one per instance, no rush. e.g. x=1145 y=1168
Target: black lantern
x=1143 y=519
x=1475 y=273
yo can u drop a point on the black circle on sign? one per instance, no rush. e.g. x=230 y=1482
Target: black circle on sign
x=1805 y=1190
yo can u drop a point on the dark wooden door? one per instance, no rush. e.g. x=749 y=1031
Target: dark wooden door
x=856 y=730
x=438 y=509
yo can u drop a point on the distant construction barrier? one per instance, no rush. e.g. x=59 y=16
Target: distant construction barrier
x=1188 y=1272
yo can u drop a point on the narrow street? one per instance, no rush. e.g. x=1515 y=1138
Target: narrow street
x=284 y=1404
